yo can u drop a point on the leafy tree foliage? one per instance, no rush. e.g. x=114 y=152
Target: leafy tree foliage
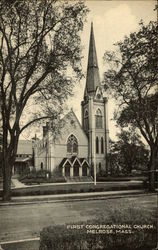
x=132 y=79
x=39 y=52
x=128 y=153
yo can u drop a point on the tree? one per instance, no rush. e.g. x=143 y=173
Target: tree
x=128 y=153
x=132 y=79
x=39 y=52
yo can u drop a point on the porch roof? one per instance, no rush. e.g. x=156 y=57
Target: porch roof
x=20 y=159
x=72 y=160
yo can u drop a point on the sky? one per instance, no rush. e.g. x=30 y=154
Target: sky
x=112 y=20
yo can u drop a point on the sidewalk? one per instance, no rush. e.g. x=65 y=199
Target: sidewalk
x=17 y=184
x=22 y=200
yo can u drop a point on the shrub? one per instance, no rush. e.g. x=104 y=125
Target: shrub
x=62 y=237
x=40 y=176
x=102 y=173
x=119 y=178
x=29 y=181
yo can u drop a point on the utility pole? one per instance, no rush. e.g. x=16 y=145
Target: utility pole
x=95 y=167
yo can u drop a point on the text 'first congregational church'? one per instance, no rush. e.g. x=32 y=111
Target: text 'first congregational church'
x=78 y=147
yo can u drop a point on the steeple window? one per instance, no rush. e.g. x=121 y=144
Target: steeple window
x=97 y=145
x=98 y=118
x=86 y=123
x=72 y=145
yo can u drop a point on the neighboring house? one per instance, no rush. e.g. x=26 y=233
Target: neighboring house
x=24 y=157
x=78 y=147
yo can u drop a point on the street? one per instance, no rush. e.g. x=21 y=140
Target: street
x=26 y=221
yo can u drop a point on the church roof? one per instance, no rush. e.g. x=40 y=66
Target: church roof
x=68 y=115
x=93 y=79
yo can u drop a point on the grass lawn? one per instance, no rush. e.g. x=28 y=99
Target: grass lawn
x=76 y=188
x=139 y=214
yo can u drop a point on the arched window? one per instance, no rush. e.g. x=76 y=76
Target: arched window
x=86 y=123
x=97 y=145
x=72 y=145
x=102 y=145
x=98 y=119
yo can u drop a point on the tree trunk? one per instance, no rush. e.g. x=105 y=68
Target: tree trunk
x=151 y=181
x=6 y=179
x=152 y=168
x=8 y=159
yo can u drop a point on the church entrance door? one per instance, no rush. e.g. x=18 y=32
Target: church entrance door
x=76 y=169
x=84 y=169
x=67 y=170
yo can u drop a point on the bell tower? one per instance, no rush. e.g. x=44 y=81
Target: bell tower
x=94 y=112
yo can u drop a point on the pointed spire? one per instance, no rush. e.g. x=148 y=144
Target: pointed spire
x=92 y=58
x=93 y=79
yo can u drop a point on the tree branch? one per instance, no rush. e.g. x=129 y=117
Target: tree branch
x=33 y=121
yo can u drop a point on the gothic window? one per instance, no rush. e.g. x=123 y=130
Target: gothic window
x=97 y=145
x=98 y=119
x=102 y=146
x=72 y=145
x=86 y=123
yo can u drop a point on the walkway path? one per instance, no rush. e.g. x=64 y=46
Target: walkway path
x=17 y=183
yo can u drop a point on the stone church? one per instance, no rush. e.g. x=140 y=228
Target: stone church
x=79 y=148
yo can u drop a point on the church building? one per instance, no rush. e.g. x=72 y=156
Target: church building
x=79 y=148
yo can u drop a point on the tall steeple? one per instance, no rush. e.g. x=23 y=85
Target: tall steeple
x=93 y=79
x=94 y=113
